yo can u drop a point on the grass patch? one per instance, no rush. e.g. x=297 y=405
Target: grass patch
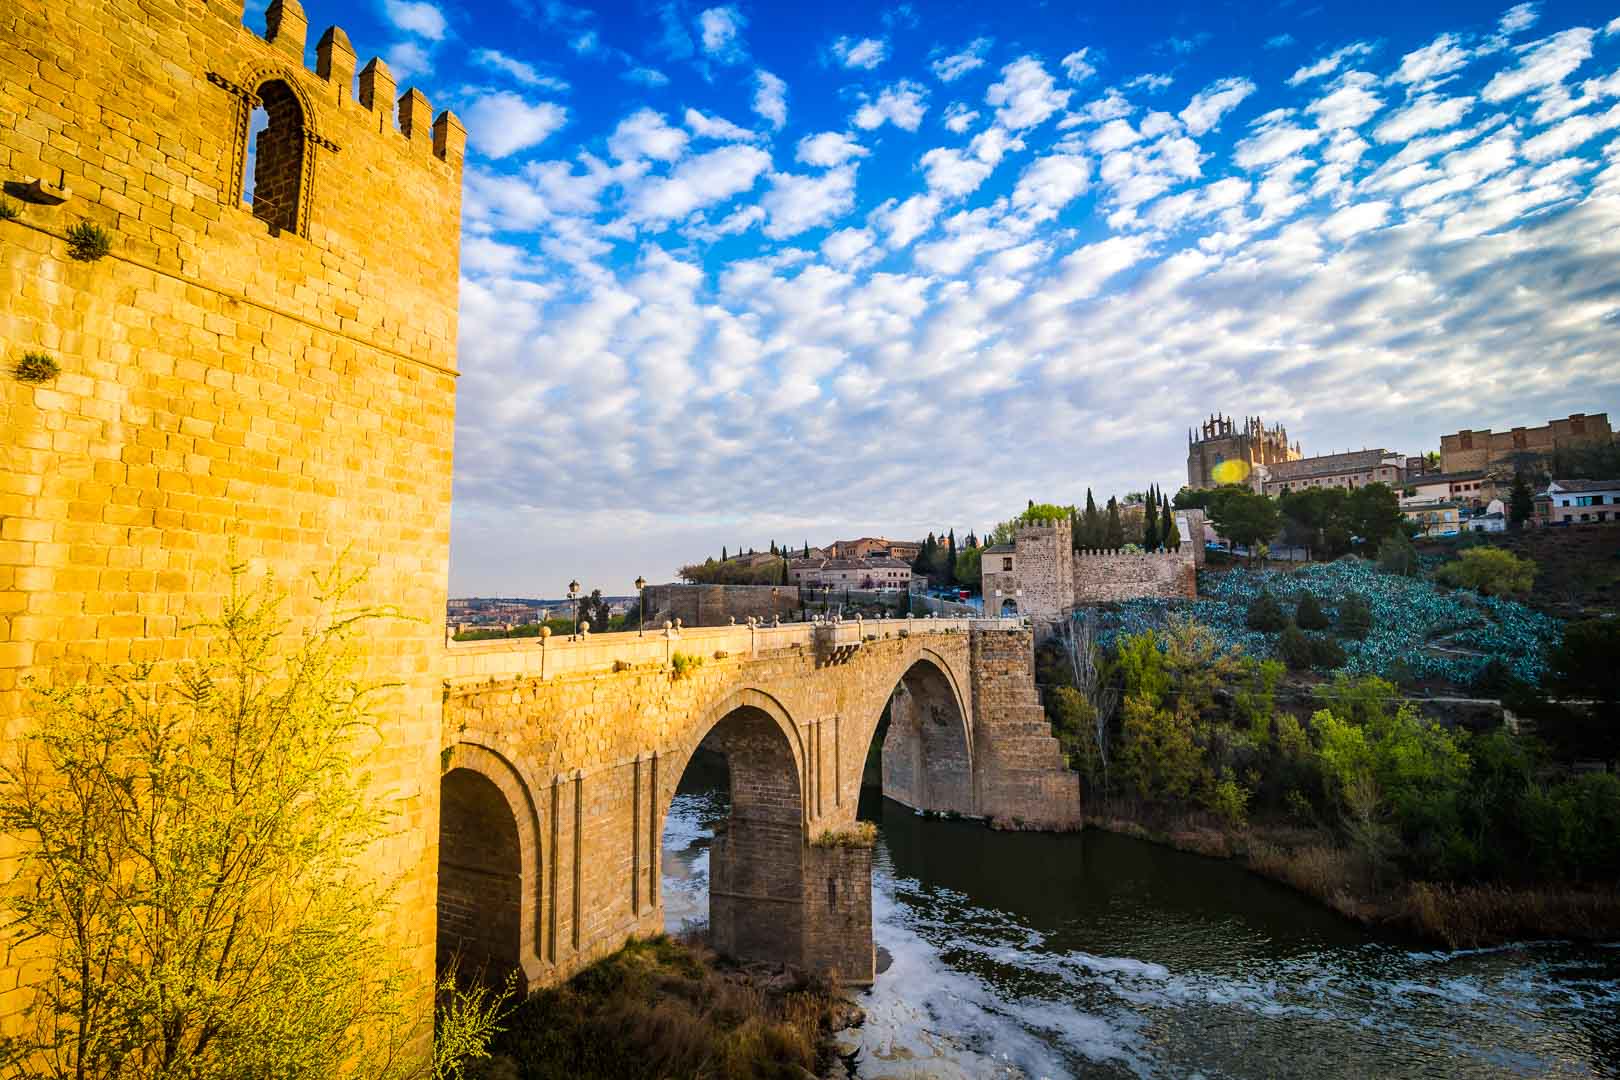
x=684 y=664
x=37 y=367
x=88 y=241
x=661 y=1008
x=862 y=834
x=9 y=210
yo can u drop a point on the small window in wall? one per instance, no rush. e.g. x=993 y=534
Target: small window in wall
x=1006 y=564
x=275 y=162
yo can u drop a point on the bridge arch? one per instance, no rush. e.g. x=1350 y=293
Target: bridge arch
x=756 y=859
x=488 y=899
x=927 y=743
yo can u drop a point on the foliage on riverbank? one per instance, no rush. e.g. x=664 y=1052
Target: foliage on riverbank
x=661 y=1008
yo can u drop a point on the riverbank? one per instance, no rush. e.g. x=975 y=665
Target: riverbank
x=1311 y=861
x=662 y=1007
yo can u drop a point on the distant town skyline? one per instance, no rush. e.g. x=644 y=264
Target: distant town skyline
x=743 y=270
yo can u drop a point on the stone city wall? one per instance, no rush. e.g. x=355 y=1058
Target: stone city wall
x=1102 y=576
x=281 y=377
x=719 y=605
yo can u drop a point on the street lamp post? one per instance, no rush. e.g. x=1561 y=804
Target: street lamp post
x=573 y=596
x=641 y=604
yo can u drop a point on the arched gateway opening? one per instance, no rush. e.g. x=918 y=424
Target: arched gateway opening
x=480 y=878
x=741 y=782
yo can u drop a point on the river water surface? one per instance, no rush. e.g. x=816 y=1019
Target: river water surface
x=1031 y=955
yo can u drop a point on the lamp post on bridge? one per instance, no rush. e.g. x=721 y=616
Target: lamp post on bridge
x=641 y=604
x=573 y=597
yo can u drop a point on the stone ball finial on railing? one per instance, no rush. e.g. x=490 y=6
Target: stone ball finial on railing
x=545 y=632
x=678 y=625
x=584 y=627
x=731 y=620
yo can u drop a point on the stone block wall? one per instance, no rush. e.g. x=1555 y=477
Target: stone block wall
x=1101 y=576
x=838 y=912
x=1020 y=776
x=718 y=605
x=287 y=384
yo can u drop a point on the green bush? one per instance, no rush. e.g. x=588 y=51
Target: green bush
x=1355 y=616
x=1308 y=615
x=685 y=663
x=1229 y=801
x=1294 y=648
x=1491 y=571
x=37 y=367
x=1265 y=614
x=88 y=241
x=1326 y=654
x=1587 y=661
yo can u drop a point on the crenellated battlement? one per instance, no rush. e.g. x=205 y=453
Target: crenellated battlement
x=1121 y=553
x=370 y=89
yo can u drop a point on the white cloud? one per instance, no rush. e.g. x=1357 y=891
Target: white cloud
x=1279 y=41
x=1570 y=134
x=1329 y=63
x=416 y=17
x=1542 y=64
x=1427 y=113
x=1082 y=273
x=1518 y=17
x=645 y=134
x=1079 y=65
x=1108 y=107
x=1026 y=95
x=720 y=34
x=502 y=123
x=867 y=53
x=797 y=203
x=697 y=182
x=958 y=117
x=828 y=149
x=770 y=98
x=646 y=76
x=1435 y=63
x=951 y=173
x=1275 y=138
x=1203 y=113
x=902 y=105
x=527 y=74
x=1350 y=104
x=1051 y=183
x=903 y=222
x=1114 y=135
x=847 y=246
x=953 y=67
x=407 y=60
x=1150 y=82
x=715 y=127
x=1355 y=219
x=1613 y=27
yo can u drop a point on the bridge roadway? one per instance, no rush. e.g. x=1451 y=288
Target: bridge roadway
x=560 y=757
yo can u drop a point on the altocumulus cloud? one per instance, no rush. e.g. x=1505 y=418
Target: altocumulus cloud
x=676 y=329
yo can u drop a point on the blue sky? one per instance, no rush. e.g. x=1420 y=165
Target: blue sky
x=743 y=272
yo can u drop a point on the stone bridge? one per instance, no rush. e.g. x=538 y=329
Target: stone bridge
x=560 y=758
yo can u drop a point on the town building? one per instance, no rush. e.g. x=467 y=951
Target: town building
x=1226 y=452
x=1356 y=468
x=1434 y=519
x=1502 y=451
x=877 y=572
x=1571 y=502
x=1472 y=488
x=869 y=546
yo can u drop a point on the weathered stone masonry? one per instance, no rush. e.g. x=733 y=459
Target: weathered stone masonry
x=283 y=376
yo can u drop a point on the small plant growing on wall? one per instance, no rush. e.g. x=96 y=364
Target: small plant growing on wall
x=88 y=241
x=9 y=210
x=684 y=664
x=37 y=367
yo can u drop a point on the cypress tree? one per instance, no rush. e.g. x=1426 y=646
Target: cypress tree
x=950 y=557
x=1113 y=530
x=722 y=553
x=1150 y=521
x=807 y=549
x=1091 y=529
x=1172 y=532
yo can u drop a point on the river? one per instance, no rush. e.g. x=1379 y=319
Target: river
x=1092 y=955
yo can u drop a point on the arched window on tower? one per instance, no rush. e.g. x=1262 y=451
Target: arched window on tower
x=275 y=160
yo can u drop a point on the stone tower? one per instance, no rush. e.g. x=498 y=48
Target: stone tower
x=278 y=369
x=1222 y=439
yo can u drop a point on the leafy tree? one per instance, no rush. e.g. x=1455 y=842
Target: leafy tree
x=1373 y=512
x=968 y=566
x=1309 y=614
x=1586 y=662
x=1245 y=517
x=1295 y=648
x=1150 y=523
x=1326 y=654
x=194 y=860
x=1491 y=571
x=1113 y=529
x=1521 y=502
x=1355 y=616
x=1189 y=498
x=1265 y=614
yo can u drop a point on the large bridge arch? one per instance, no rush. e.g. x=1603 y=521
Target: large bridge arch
x=488 y=900
x=927 y=746
x=756 y=859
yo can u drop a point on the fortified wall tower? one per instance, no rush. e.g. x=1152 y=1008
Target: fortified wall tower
x=280 y=372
